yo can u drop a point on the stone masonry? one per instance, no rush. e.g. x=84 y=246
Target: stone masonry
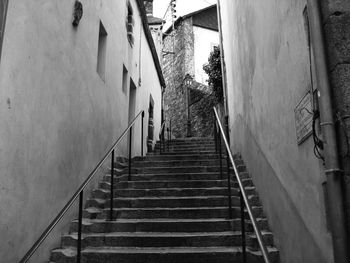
x=175 y=67
x=336 y=18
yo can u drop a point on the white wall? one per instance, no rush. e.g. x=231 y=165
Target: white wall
x=58 y=116
x=204 y=40
x=268 y=72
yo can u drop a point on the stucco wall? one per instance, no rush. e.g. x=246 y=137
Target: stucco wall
x=336 y=18
x=268 y=72
x=204 y=40
x=58 y=116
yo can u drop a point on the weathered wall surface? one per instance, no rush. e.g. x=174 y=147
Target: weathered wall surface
x=268 y=72
x=336 y=17
x=204 y=41
x=190 y=45
x=58 y=116
x=175 y=67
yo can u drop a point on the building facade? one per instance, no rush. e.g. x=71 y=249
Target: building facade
x=67 y=93
x=274 y=102
x=186 y=49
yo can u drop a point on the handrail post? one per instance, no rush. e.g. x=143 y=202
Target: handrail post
x=170 y=129
x=112 y=188
x=215 y=137
x=142 y=116
x=80 y=222
x=228 y=171
x=130 y=145
x=220 y=155
x=160 y=144
x=167 y=129
x=163 y=140
x=244 y=249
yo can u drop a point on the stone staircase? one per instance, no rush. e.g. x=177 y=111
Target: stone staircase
x=174 y=209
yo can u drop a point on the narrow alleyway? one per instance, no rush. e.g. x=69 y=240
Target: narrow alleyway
x=174 y=209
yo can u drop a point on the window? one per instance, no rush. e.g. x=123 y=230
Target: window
x=130 y=25
x=102 y=49
x=125 y=79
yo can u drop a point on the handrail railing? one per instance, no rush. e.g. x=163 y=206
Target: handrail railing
x=243 y=196
x=79 y=193
x=161 y=137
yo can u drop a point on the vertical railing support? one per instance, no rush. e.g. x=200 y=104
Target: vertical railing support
x=112 y=188
x=160 y=144
x=130 y=146
x=170 y=129
x=215 y=136
x=220 y=155
x=142 y=116
x=167 y=129
x=80 y=223
x=228 y=169
x=163 y=139
x=244 y=250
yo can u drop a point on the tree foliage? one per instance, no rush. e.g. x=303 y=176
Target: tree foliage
x=213 y=69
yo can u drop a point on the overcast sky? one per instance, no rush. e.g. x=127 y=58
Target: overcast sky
x=183 y=6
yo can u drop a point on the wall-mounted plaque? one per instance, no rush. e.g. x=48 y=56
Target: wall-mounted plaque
x=303 y=118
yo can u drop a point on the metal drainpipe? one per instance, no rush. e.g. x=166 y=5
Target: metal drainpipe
x=332 y=170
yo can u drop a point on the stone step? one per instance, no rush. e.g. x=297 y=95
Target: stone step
x=164 y=239
x=176 y=176
x=174 y=184
x=169 y=201
x=160 y=255
x=192 y=140
x=169 y=212
x=155 y=239
x=183 y=152
x=165 y=157
x=165 y=225
x=174 y=148
x=175 y=169
x=193 y=162
x=159 y=192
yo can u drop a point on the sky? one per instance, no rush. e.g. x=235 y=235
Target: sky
x=183 y=6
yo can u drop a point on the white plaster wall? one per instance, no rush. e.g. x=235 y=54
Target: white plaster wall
x=267 y=65
x=58 y=116
x=204 y=40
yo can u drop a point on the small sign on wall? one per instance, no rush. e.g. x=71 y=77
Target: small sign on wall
x=303 y=118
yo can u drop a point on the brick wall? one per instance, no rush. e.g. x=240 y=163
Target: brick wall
x=336 y=18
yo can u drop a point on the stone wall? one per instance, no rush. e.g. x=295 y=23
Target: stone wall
x=201 y=111
x=336 y=18
x=175 y=67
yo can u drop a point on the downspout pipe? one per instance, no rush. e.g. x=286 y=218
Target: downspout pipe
x=332 y=169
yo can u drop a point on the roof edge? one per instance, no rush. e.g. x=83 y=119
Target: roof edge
x=151 y=42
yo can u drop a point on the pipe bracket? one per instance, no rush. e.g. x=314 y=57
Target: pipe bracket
x=334 y=171
x=327 y=123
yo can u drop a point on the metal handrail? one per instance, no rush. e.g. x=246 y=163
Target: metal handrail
x=243 y=193
x=162 y=128
x=78 y=193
